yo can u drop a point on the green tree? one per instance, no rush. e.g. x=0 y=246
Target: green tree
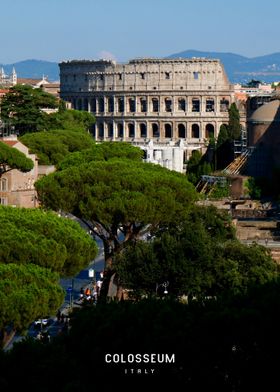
x=22 y=108
x=70 y=120
x=26 y=293
x=120 y=199
x=234 y=127
x=197 y=166
x=45 y=239
x=11 y=158
x=200 y=258
x=52 y=147
x=102 y=152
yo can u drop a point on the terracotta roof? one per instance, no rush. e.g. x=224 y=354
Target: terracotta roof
x=10 y=142
x=28 y=81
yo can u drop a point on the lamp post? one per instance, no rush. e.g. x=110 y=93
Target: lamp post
x=164 y=284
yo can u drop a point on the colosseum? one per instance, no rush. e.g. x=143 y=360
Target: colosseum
x=168 y=107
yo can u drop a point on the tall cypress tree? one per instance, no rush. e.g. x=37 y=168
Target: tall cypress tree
x=234 y=128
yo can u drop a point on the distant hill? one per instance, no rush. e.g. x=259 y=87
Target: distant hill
x=34 y=69
x=241 y=69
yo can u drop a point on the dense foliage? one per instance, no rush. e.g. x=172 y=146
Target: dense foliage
x=22 y=108
x=51 y=147
x=200 y=258
x=120 y=198
x=32 y=236
x=26 y=293
x=11 y=158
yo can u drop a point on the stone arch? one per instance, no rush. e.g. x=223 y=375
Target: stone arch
x=110 y=129
x=85 y=104
x=182 y=131
x=209 y=131
x=155 y=130
x=168 y=131
x=93 y=105
x=120 y=130
x=143 y=130
x=195 y=131
x=101 y=130
x=131 y=130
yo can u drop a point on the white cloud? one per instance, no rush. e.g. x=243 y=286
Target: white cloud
x=104 y=54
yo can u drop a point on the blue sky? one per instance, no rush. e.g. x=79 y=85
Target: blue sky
x=58 y=30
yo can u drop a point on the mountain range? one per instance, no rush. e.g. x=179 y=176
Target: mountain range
x=240 y=69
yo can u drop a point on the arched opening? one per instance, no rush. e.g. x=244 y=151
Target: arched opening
x=110 y=130
x=195 y=131
x=195 y=105
x=143 y=130
x=110 y=104
x=182 y=131
x=101 y=130
x=210 y=105
x=182 y=104
x=3 y=185
x=224 y=105
x=131 y=130
x=143 y=105
x=85 y=105
x=131 y=105
x=168 y=105
x=168 y=131
x=93 y=105
x=121 y=105
x=79 y=106
x=209 y=131
x=155 y=105
x=155 y=130
x=101 y=105
x=120 y=130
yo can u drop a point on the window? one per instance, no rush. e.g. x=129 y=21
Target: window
x=93 y=105
x=210 y=105
x=101 y=105
x=143 y=105
x=3 y=185
x=196 y=75
x=195 y=131
x=121 y=105
x=224 y=105
x=131 y=130
x=120 y=130
x=168 y=105
x=143 y=130
x=168 y=131
x=209 y=131
x=110 y=104
x=131 y=105
x=195 y=105
x=167 y=75
x=181 y=131
x=3 y=201
x=120 y=76
x=142 y=75
x=155 y=130
x=155 y=104
x=110 y=130
x=101 y=130
x=181 y=104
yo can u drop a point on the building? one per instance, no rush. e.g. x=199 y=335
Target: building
x=17 y=188
x=8 y=80
x=264 y=139
x=176 y=103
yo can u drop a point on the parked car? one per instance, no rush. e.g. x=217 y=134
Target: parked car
x=42 y=322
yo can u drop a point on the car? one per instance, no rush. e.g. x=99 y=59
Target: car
x=42 y=322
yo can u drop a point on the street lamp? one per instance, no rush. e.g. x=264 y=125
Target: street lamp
x=164 y=284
